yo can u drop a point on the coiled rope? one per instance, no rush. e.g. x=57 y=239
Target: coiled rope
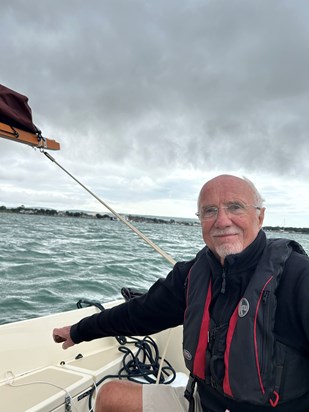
x=142 y=367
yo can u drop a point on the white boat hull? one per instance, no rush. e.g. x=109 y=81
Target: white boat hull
x=36 y=374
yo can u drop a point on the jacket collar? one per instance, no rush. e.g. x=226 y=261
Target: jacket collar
x=243 y=260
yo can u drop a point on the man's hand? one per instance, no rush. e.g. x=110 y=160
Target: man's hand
x=63 y=335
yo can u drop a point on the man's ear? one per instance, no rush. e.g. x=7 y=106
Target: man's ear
x=261 y=217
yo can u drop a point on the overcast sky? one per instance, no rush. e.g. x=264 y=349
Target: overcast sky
x=149 y=99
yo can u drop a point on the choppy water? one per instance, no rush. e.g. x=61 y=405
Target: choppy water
x=48 y=263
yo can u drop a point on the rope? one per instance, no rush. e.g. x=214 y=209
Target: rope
x=144 y=367
x=133 y=228
x=68 y=399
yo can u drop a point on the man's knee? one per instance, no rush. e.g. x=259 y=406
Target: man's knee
x=108 y=394
x=120 y=396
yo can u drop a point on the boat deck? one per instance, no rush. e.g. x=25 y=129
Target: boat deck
x=38 y=375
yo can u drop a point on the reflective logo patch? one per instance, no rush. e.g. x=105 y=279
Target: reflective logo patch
x=243 y=307
x=187 y=355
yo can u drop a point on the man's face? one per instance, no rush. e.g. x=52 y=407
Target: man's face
x=227 y=233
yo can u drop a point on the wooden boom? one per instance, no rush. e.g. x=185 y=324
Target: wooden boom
x=30 y=139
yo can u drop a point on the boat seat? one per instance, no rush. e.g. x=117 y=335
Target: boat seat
x=99 y=364
x=76 y=377
x=42 y=391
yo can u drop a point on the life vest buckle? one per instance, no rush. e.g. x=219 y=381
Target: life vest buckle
x=214 y=384
x=190 y=388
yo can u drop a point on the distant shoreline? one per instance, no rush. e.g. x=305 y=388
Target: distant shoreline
x=132 y=218
x=22 y=210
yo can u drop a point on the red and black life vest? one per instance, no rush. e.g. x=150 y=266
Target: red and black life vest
x=246 y=345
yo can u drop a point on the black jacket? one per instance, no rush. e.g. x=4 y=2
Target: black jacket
x=164 y=305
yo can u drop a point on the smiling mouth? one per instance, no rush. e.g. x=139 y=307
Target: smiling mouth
x=225 y=234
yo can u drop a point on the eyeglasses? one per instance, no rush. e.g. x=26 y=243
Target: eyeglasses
x=232 y=209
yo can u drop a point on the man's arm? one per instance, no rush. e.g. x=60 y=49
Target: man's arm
x=292 y=327
x=160 y=308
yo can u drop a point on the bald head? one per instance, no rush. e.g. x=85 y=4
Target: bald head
x=231 y=214
x=230 y=180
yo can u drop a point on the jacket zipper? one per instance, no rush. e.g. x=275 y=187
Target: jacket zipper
x=223 y=285
x=265 y=299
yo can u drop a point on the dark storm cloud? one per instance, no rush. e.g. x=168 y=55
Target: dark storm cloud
x=155 y=86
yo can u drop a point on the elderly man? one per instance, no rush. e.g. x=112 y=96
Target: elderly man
x=244 y=307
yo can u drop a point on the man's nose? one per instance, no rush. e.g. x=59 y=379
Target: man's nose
x=223 y=218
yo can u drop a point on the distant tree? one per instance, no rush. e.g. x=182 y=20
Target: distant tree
x=99 y=216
